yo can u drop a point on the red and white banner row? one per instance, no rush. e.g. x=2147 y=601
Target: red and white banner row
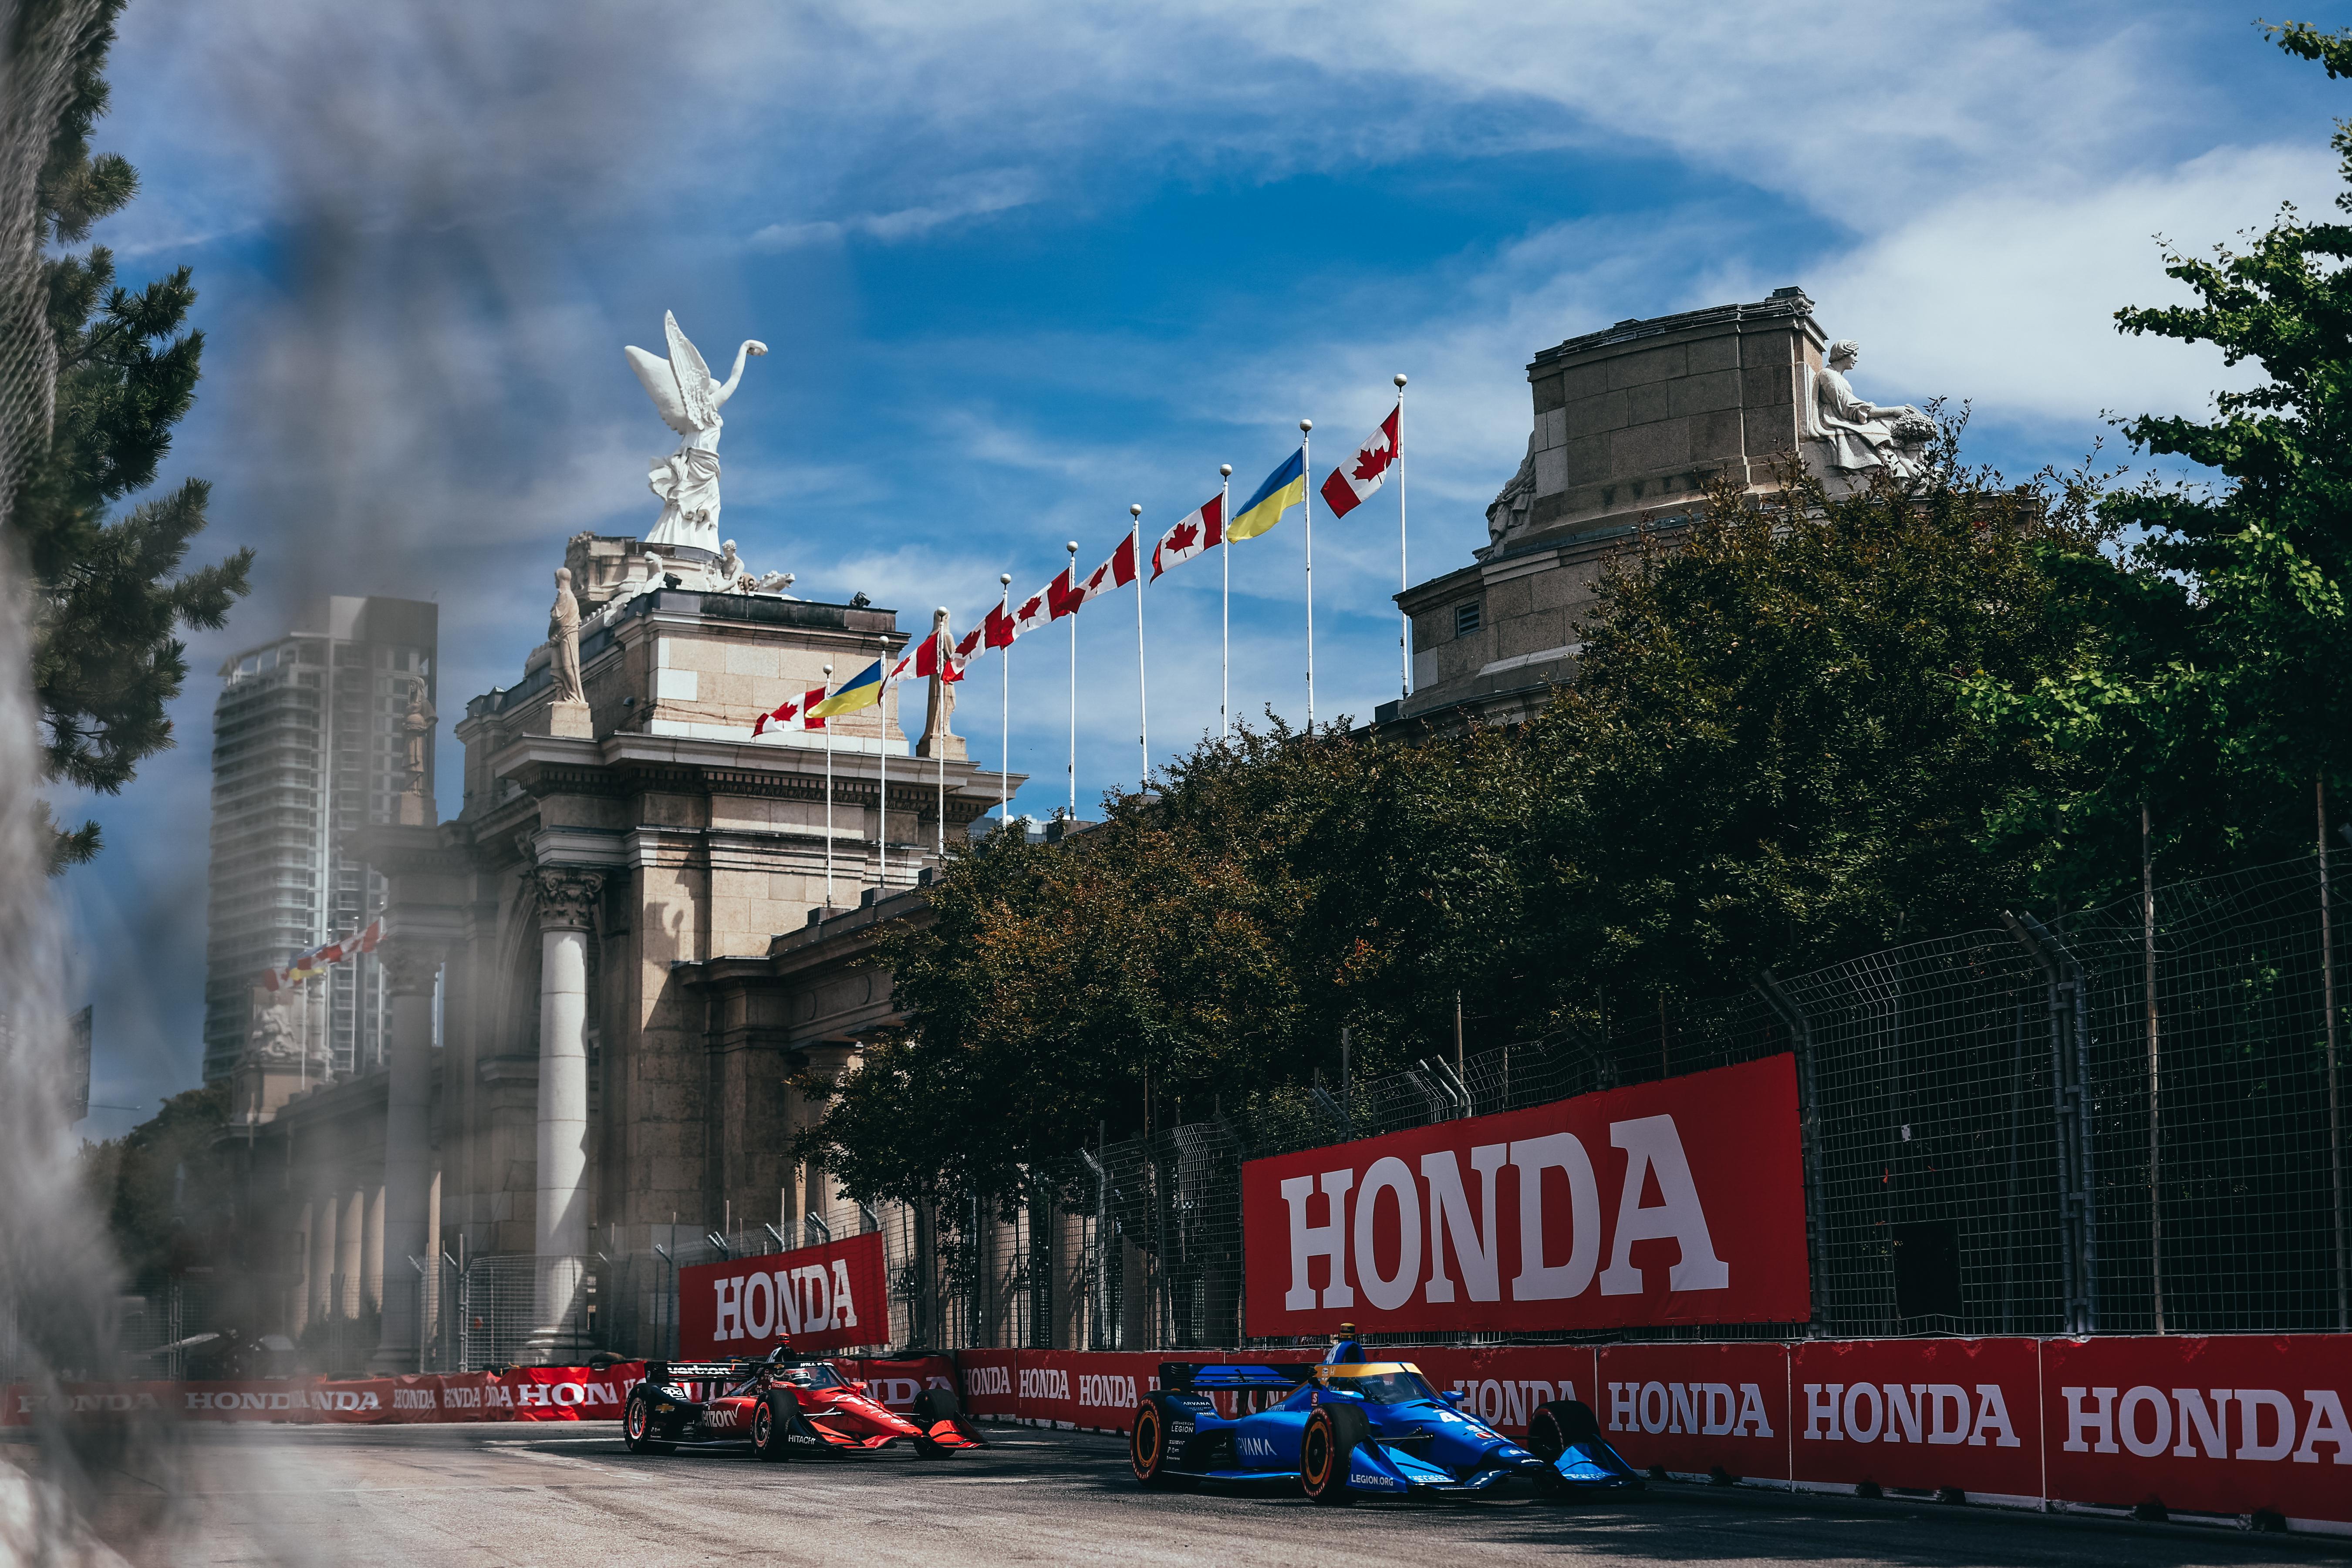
x=524 y=1393
x=2228 y=1425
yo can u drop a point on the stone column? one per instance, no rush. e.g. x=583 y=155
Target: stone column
x=298 y=1317
x=408 y=971
x=372 y=1275
x=567 y=899
x=322 y=1260
x=353 y=1233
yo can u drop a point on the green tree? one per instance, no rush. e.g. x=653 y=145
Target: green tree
x=161 y=1185
x=109 y=592
x=2213 y=684
x=1768 y=759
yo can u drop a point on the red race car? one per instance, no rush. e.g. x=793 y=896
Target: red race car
x=783 y=1405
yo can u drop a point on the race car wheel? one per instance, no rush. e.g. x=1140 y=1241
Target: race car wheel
x=637 y=1426
x=1332 y=1434
x=771 y=1422
x=1148 y=1449
x=1553 y=1427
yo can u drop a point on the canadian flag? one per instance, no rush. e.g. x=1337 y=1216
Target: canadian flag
x=778 y=715
x=969 y=645
x=1000 y=629
x=1360 y=475
x=928 y=660
x=1044 y=606
x=1116 y=573
x=810 y=717
x=1197 y=532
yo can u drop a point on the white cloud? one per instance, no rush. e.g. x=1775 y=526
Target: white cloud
x=988 y=194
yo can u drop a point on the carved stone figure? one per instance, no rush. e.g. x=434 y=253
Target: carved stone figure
x=271 y=1040
x=1508 y=514
x=563 y=632
x=688 y=399
x=415 y=729
x=939 y=739
x=1861 y=435
x=731 y=566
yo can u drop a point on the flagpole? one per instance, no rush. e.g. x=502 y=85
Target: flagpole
x=1306 y=466
x=1404 y=622
x=1142 y=696
x=940 y=649
x=1225 y=634
x=828 y=793
x=1004 y=720
x=1074 y=685
x=882 y=804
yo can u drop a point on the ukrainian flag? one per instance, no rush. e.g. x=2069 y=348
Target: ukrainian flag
x=864 y=691
x=1283 y=488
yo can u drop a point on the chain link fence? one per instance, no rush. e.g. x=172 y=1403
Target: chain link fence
x=2127 y=1121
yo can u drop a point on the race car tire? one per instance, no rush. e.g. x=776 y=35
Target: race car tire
x=772 y=1422
x=937 y=1404
x=1149 y=1450
x=1333 y=1433
x=637 y=1426
x=1552 y=1426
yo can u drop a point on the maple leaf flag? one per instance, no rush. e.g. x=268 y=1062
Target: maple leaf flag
x=1044 y=606
x=1116 y=573
x=778 y=715
x=810 y=717
x=1000 y=627
x=1354 y=480
x=1196 y=532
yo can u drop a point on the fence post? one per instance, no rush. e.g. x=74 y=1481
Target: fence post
x=2334 y=1123
x=2070 y=1091
x=1808 y=1128
x=2155 y=1145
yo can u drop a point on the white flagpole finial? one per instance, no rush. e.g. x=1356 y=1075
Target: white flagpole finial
x=1305 y=426
x=1224 y=470
x=1400 y=378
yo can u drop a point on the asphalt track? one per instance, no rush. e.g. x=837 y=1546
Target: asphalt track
x=571 y=1496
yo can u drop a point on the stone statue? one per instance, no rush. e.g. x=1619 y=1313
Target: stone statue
x=563 y=632
x=729 y=568
x=939 y=739
x=415 y=727
x=1509 y=514
x=271 y=1040
x=688 y=400
x=1862 y=435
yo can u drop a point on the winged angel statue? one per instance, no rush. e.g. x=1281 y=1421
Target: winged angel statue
x=688 y=401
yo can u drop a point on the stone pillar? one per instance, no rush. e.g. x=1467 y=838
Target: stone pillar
x=353 y=1233
x=298 y=1317
x=567 y=899
x=408 y=971
x=322 y=1259
x=372 y=1274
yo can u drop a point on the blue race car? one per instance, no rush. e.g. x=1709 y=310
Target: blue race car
x=1348 y=1426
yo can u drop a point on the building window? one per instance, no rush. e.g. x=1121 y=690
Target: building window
x=1465 y=618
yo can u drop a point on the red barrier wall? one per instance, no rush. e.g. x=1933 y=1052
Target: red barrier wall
x=2105 y=1423
x=521 y=1394
x=834 y=1297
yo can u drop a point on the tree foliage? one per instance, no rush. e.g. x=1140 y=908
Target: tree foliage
x=162 y=1186
x=109 y=592
x=2212 y=686
x=1766 y=760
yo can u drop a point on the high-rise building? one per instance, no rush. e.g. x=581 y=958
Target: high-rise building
x=307 y=745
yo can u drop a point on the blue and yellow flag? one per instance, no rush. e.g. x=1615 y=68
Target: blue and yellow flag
x=1283 y=488
x=862 y=690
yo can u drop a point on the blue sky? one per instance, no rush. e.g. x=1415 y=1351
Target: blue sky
x=1021 y=265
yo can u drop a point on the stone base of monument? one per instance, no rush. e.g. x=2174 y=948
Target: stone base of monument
x=565 y=720
x=414 y=810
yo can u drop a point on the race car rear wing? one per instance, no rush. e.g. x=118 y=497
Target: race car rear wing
x=697 y=1371
x=1210 y=1377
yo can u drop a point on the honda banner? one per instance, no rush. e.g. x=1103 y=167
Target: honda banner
x=2239 y=1424
x=836 y=1297
x=1674 y=1202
